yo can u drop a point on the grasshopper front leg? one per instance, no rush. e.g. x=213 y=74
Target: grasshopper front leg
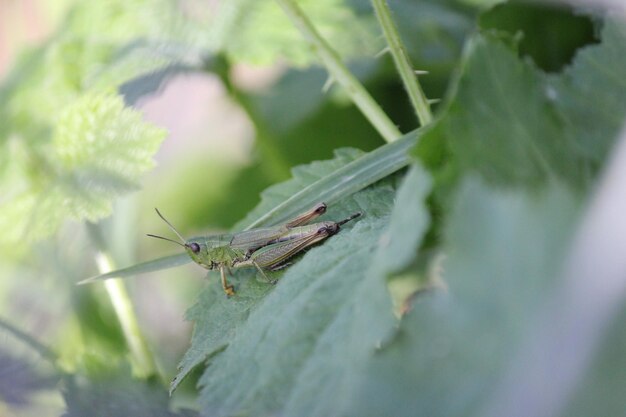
x=228 y=288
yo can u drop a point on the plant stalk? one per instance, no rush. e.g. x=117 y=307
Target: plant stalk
x=403 y=63
x=140 y=354
x=340 y=73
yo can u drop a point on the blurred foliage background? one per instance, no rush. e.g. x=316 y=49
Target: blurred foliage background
x=111 y=108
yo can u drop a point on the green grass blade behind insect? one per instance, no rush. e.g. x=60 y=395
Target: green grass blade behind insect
x=158 y=264
x=347 y=180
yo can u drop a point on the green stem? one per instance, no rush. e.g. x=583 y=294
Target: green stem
x=141 y=356
x=340 y=73
x=403 y=63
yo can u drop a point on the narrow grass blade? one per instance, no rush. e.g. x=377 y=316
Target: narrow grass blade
x=158 y=264
x=343 y=182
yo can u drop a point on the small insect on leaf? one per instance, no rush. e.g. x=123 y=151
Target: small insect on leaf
x=266 y=249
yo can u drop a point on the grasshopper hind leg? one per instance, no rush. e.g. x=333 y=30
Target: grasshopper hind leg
x=265 y=277
x=307 y=216
x=280 y=266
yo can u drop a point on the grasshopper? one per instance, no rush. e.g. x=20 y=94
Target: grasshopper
x=264 y=249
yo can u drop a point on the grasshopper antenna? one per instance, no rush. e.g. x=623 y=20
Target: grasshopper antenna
x=171 y=227
x=164 y=238
x=352 y=217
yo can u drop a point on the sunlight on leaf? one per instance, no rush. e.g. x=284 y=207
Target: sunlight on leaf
x=98 y=151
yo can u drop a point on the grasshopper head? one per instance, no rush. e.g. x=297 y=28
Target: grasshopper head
x=196 y=249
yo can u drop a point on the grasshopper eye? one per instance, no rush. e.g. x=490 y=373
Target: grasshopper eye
x=195 y=248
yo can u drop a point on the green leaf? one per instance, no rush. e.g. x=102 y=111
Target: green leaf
x=269 y=342
x=364 y=322
x=270 y=348
x=98 y=151
x=548 y=33
x=101 y=148
x=590 y=95
x=207 y=337
x=504 y=252
x=514 y=124
x=500 y=122
x=217 y=318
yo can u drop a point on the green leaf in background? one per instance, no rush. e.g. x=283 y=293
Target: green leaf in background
x=89 y=51
x=504 y=251
x=500 y=122
x=514 y=124
x=548 y=33
x=258 y=32
x=590 y=95
x=98 y=151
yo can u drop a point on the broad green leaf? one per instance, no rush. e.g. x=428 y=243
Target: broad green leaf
x=514 y=124
x=98 y=151
x=365 y=321
x=57 y=160
x=206 y=340
x=550 y=34
x=302 y=313
x=217 y=318
x=590 y=95
x=273 y=344
x=500 y=122
x=504 y=251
